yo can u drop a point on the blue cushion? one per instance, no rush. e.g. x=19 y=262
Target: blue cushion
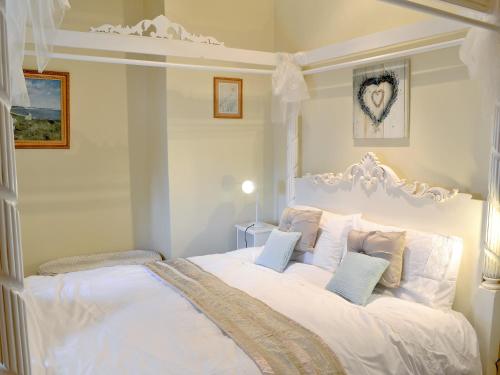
x=278 y=250
x=357 y=276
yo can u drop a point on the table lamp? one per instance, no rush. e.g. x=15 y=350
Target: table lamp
x=248 y=187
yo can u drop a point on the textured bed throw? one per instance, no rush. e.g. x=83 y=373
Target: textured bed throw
x=277 y=344
x=89 y=262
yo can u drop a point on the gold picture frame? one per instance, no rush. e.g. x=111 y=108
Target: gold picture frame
x=45 y=124
x=228 y=98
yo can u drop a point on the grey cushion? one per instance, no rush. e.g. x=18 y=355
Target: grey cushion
x=356 y=277
x=386 y=245
x=304 y=221
x=278 y=250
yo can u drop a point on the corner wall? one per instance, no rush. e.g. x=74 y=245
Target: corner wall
x=448 y=141
x=149 y=167
x=78 y=201
x=209 y=158
x=147 y=143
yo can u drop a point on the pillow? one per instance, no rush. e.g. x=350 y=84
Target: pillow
x=331 y=243
x=385 y=245
x=430 y=265
x=278 y=250
x=357 y=276
x=304 y=221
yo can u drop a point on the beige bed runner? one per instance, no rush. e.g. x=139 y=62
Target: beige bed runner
x=277 y=344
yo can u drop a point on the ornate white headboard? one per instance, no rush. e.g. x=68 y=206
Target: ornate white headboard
x=376 y=191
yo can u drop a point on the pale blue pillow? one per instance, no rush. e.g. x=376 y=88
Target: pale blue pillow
x=357 y=276
x=278 y=250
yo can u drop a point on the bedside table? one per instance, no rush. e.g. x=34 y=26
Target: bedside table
x=254 y=236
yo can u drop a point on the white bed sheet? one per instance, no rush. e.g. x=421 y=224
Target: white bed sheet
x=125 y=320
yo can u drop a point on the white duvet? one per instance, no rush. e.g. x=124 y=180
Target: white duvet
x=125 y=320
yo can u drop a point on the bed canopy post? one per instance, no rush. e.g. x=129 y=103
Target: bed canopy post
x=14 y=355
x=292 y=155
x=44 y=17
x=491 y=267
x=291 y=88
x=481 y=53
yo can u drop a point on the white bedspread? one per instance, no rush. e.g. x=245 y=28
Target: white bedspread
x=125 y=320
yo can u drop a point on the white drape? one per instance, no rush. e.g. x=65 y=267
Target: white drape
x=291 y=88
x=289 y=84
x=481 y=53
x=44 y=17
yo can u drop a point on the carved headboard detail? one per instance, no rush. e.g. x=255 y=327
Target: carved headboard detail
x=379 y=194
x=370 y=172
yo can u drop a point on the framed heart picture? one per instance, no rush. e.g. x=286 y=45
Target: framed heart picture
x=381 y=100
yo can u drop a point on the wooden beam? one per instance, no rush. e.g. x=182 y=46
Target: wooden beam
x=160 y=47
x=399 y=35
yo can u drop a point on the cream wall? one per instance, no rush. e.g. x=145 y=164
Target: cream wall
x=147 y=126
x=448 y=143
x=78 y=201
x=302 y=25
x=209 y=158
x=149 y=167
x=125 y=184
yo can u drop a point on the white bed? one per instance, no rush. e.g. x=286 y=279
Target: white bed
x=128 y=320
x=125 y=320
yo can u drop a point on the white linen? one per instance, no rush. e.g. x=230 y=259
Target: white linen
x=125 y=320
x=430 y=265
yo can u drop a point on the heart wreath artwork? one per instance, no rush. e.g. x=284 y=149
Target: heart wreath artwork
x=375 y=107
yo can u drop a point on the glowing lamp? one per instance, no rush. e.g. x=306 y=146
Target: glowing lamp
x=248 y=187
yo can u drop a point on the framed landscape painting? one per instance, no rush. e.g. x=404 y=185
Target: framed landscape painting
x=45 y=123
x=228 y=94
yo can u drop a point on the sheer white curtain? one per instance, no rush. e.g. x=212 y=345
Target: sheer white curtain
x=481 y=53
x=43 y=17
x=289 y=85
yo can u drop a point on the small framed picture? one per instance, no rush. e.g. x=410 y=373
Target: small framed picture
x=45 y=123
x=228 y=97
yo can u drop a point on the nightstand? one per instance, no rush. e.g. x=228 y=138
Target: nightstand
x=254 y=236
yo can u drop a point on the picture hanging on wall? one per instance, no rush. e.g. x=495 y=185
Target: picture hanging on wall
x=381 y=100
x=228 y=97
x=45 y=123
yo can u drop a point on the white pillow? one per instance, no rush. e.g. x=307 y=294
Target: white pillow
x=430 y=265
x=331 y=244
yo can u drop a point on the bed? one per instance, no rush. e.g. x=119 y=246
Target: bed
x=127 y=319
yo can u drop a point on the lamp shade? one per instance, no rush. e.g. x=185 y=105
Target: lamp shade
x=248 y=187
